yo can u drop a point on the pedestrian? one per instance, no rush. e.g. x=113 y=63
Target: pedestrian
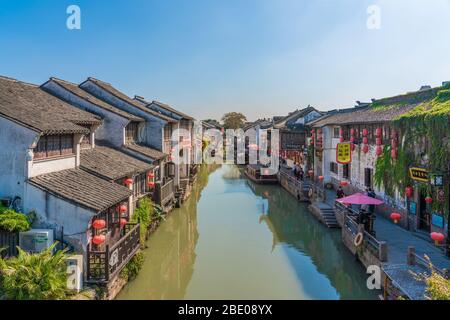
x=301 y=174
x=340 y=193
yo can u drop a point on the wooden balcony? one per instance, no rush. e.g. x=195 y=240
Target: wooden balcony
x=103 y=266
x=164 y=192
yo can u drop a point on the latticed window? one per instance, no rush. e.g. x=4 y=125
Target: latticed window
x=140 y=185
x=131 y=132
x=53 y=146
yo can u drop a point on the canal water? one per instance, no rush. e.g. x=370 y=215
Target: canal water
x=237 y=240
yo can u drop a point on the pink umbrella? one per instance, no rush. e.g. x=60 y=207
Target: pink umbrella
x=359 y=198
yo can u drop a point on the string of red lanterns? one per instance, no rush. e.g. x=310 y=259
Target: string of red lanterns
x=365 y=141
x=395 y=216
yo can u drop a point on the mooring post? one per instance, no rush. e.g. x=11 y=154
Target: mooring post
x=411 y=257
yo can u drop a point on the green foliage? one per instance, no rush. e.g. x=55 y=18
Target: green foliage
x=133 y=267
x=429 y=121
x=13 y=221
x=438 y=288
x=233 y=120
x=143 y=215
x=158 y=213
x=40 y=276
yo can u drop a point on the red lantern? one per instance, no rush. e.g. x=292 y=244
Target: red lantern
x=341 y=139
x=365 y=140
x=428 y=199
x=98 y=239
x=312 y=131
x=352 y=147
x=319 y=138
x=341 y=132
x=128 y=181
x=437 y=237
x=365 y=132
x=123 y=222
x=379 y=151
x=365 y=148
x=352 y=139
x=151 y=174
x=311 y=142
x=395 y=216
x=352 y=132
x=409 y=191
x=99 y=224
x=379 y=132
x=378 y=142
x=151 y=184
x=321 y=178
x=123 y=208
x=344 y=183
x=319 y=131
x=394 y=154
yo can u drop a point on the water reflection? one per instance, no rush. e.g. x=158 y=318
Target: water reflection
x=237 y=240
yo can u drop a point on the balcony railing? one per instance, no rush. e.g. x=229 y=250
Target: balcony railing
x=102 y=266
x=164 y=192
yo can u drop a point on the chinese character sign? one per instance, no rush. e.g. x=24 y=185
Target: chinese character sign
x=343 y=153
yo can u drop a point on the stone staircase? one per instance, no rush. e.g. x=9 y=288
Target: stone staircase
x=181 y=191
x=325 y=213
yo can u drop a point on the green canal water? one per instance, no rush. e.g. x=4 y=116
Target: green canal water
x=237 y=240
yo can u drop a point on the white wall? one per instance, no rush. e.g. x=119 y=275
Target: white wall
x=15 y=144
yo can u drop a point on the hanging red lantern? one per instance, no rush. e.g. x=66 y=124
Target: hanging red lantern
x=123 y=208
x=151 y=174
x=365 y=148
x=352 y=132
x=395 y=216
x=379 y=132
x=319 y=131
x=321 y=178
x=379 y=151
x=341 y=139
x=428 y=199
x=352 y=147
x=319 y=138
x=365 y=140
x=365 y=132
x=378 y=142
x=99 y=239
x=344 y=183
x=311 y=142
x=409 y=191
x=341 y=132
x=128 y=181
x=123 y=222
x=437 y=237
x=312 y=131
x=352 y=139
x=99 y=224
x=394 y=154
x=151 y=184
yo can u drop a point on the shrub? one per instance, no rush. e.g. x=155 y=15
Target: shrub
x=133 y=267
x=143 y=215
x=438 y=288
x=40 y=276
x=13 y=221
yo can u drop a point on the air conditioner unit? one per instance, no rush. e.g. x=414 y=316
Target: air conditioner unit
x=75 y=273
x=35 y=240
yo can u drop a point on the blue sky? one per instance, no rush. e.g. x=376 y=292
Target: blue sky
x=207 y=57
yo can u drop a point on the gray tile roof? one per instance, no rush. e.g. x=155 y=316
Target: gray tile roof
x=76 y=90
x=109 y=88
x=293 y=115
x=111 y=164
x=32 y=107
x=82 y=188
x=165 y=106
x=145 y=150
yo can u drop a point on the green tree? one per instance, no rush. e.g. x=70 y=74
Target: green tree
x=40 y=276
x=233 y=120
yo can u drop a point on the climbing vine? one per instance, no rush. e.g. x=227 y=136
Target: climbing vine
x=426 y=132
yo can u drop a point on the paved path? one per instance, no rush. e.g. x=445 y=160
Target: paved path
x=399 y=239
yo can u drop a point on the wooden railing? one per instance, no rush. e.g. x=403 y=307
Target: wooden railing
x=102 y=266
x=164 y=191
